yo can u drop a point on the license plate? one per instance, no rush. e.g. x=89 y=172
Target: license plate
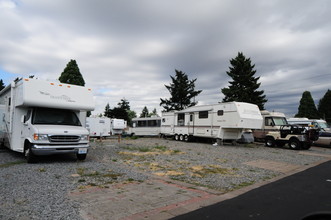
x=82 y=150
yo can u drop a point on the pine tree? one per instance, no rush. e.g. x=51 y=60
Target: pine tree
x=324 y=106
x=107 y=112
x=2 y=85
x=144 y=112
x=182 y=91
x=244 y=86
x=72 y=75
x=307 y=107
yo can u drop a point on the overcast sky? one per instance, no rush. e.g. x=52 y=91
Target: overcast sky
x=129 y=48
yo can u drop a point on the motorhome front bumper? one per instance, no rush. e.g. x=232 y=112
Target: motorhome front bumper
x=38 y=149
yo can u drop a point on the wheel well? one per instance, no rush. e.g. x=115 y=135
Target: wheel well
x=26 y=144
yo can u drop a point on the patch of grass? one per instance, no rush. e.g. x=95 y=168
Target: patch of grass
x=42 y=170
x=9 y=164
x=243 y=184
x=161 y=148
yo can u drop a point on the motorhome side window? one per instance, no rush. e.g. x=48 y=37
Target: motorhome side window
x=203 y=114
x=49 y=116
x=180 y=119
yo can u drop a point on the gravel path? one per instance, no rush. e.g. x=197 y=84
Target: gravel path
x=40 y=191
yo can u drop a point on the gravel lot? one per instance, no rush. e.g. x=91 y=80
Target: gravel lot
x=40 y=191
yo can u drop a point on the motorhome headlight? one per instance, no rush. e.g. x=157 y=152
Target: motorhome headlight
x=40 y=137
x=84 y=137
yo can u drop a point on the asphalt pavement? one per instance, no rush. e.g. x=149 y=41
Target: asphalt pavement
x=293 y=197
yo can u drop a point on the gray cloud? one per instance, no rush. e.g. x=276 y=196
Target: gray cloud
x=130 y=48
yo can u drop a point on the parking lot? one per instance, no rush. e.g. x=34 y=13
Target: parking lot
x=145 y=178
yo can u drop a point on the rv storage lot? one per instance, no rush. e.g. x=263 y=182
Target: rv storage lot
x=146 y=178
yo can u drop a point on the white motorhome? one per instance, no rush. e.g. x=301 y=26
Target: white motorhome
x=149 y=126
x=316 y=123
x=98 y=126
x=271 y=122
x=44 y=118
x=117 y=126
x=223 y=121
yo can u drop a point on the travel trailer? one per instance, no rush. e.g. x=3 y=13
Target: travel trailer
x=98 y=126
x=117 y=126
x=271 y=122
x=315 y=123
x=146 y=126
x=223 y=121
x=44 y=118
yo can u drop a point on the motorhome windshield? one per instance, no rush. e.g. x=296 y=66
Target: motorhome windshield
x=48 y=116
x=280 y=121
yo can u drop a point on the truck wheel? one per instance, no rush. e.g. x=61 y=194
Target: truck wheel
x=306 y=146
x=30 y=157
x=294 y=144
x=81 y=156
x=269 y=142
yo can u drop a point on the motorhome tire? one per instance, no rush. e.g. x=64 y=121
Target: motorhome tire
x=294 y=144
x=30 y=157
x=81 y=156
x=269 y=142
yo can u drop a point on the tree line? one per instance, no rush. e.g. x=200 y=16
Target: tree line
x=244 y=87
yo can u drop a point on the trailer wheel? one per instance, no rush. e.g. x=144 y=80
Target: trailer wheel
x=269 y=142
x=186 y=138
x=294 y=144
x=176 y=137
x=81 y=156
x=181 y=137
x=30 y=157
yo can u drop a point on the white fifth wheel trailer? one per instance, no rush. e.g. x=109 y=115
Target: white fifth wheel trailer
x=98 y=126
x=223 y=121
x=117 y=126
x=43 y=118
x=271 y=122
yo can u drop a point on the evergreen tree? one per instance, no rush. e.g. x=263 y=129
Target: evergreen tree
x=153 y=113
x=324 y=106
x=244 y=86
x=144 y=113
x=307 y=107
x=2 y=85
x=72 y=75
x=182 y=92
x=107 y=112
x=124 y=104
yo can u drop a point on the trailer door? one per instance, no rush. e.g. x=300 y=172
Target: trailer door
x=191 y=124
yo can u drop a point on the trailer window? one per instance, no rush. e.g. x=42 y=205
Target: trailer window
x=203 y=114
x=154 y=123
x=142 y=124
x=181 y=119
x=220 y=112
x=49 y=116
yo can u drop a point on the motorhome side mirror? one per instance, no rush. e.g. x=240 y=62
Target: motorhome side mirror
x=23 y=119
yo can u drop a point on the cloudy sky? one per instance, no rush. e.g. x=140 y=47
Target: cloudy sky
x=129 y=48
